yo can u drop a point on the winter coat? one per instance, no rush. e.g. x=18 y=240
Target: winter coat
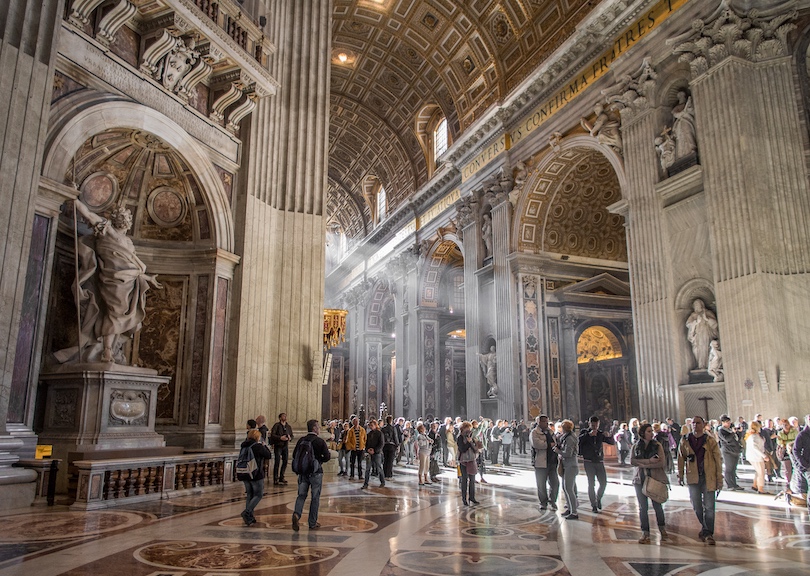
x=712 y=463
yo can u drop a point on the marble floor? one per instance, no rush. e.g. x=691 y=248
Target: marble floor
x=403 y=529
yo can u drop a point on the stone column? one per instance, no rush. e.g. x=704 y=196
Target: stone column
x=470 y=239
x=510 y=403
x=753 y=154
x=27 y=59
x=279 y=317
x=401 y=270
x=430 y=373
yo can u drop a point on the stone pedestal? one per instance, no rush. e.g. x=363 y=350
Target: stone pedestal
x=100 y=406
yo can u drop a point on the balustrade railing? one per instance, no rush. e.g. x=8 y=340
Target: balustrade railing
x=105 y=483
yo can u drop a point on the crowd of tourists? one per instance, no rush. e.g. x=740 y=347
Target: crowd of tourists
x=701 y=455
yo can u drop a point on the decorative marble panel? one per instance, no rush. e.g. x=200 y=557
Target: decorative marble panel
x=554 y=366
x=218 y=359
x=532 y=341
x=372 y=377
x=429 y=367
x=198 y=348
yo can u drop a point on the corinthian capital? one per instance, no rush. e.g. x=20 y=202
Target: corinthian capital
x=633 y=92
x=756 y=36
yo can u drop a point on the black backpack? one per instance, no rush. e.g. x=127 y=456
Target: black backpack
x=304 y=458
x=246 y=466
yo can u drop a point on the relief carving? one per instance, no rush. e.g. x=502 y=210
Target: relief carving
x=129 y=407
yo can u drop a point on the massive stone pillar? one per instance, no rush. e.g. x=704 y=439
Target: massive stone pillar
x=759 y=204
x=27 y=59
x=510 y=397
x=647 y=258
x=468 y=225
x=277 y=359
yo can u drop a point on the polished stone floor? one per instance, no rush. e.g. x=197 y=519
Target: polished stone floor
x=404 y=529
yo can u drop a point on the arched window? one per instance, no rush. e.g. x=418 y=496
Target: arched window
x=440 y=139
x=382 y=205
x=597 y=343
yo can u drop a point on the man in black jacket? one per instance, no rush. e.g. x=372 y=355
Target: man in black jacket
x=374 y=449
x=280 y=437
x=390 y=447
x=592 y=452
x=254 y=488
x=314 y=480
x=730 y=448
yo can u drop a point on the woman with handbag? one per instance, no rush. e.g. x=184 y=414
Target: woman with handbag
x=567 y=448
x=649 y=459
x=467 y=456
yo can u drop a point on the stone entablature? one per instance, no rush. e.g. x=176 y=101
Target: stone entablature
x=184 y=44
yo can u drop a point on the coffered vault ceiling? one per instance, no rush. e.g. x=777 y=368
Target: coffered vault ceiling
x=402 y=56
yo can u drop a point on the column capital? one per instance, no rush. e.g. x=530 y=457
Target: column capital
x=756 y=36
x=633 y=93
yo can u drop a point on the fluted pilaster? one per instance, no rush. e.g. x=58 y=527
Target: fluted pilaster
x=472 y=322
x=282 y=242
x=649 y=276
x=509 y=384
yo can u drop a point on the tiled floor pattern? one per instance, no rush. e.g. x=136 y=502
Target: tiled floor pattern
x=404 y=529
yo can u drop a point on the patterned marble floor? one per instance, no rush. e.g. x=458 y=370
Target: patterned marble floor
x=403 y=529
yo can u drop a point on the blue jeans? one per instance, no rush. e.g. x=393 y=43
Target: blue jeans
x=547 y=478
x=703 y=505
x=375 y=461
x=644 y=509
x=594 y=471
x=254 y=490
x=305 y=482
x=342 y=460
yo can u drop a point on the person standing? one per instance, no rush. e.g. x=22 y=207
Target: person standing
x=311 y=481
x=592 y=452
x=545 y=464
x=784 y=446
x=374 y=449
x=730 y=448
x=343 y=452
x=442 y=432
x=467 y=456
x=522 y=434
x=261 y=426
x=254 y=488
x=801 y=460
x=506 y=444
x=423 y=449
x=280 y=437
x=495 y=434
x=700 y=465
x=390 y=447
x=624 y=443
x=356 y=445
x=566 y=449
x=757 y=455
x=650 y=460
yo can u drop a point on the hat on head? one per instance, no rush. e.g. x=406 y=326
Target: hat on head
x=725 y=418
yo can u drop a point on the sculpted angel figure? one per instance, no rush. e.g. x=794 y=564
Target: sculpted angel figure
x=716 y=362
x=112 y=286
x=605 y=128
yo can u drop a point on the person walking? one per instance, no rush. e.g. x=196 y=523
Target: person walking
x=566 y=449
x=700 y=466
x=280 y=436
x=311 y=480
x=730 y=448
x=593 y=454
x=254 y=488
x=649 y=458
x=545 y=464
x=374 y=449
x=356 y=446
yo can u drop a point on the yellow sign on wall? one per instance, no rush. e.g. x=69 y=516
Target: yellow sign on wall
x=43 y=451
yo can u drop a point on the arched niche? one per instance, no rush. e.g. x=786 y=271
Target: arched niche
x=442 y=256
x=78 y=121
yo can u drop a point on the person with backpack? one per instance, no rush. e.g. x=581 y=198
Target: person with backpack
x=374 y=451
x=250 y=470
x=307 y=461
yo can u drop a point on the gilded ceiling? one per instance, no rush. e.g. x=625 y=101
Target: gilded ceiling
x=393 y=59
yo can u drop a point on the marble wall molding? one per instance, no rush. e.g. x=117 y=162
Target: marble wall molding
x=78 y=126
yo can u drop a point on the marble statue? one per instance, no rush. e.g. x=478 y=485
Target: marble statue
x=683 y=128
x=112 y=287
x=716 y=362
x=489 y=364
x=701 y=329
x=486 y=234
x=605 y=128
x=665 y=146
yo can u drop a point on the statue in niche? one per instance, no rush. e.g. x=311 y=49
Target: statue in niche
x=406 y=394
x=701 y=329
x=112 y=288
x=665 y=146
x=486 y=234
x=605 y=128
x=715 y=369
x=489 y=364
x=683 y=127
